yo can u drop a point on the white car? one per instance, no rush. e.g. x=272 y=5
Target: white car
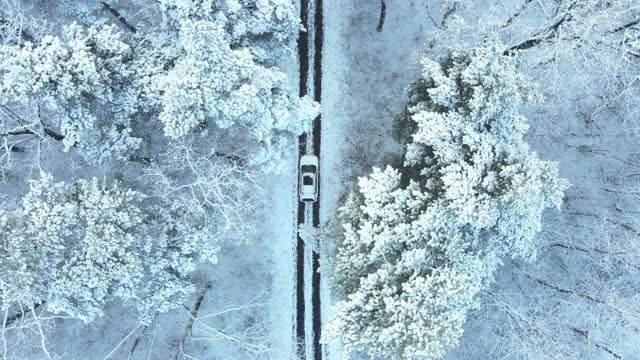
x=308 y=178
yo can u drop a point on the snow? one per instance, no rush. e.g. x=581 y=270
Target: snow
x=283 y=239
x=365 y=74
x=251 y=287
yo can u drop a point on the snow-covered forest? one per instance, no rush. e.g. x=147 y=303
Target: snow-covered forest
x=478 y=179
x=136 y=139
x=488 y=112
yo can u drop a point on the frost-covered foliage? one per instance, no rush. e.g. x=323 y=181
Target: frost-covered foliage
x=78 y=246
x=418 y=246
x=403 y=297
x=210 y=68
x=72 y=246
x=469 y=147
x=246 y=21
x=187 y=108
x=82 y=80
x=223 y=75
x=584 y=52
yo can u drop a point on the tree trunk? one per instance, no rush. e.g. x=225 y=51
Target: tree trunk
x=383 y=13
x=119 y=16
x=17 y=316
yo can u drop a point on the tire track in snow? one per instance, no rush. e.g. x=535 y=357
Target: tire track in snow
x=303 y=59
x=317 y=94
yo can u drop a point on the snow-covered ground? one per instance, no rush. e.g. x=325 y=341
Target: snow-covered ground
x=282 y=224
x=365 y=74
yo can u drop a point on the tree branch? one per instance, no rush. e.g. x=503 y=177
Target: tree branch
x=20 y=314
x=233 y=157
x=517 y=13
x=540 y=36
x=626 y=26
x=193 y=316
x=563 y=290
x=119 y=16
x=586 y=336
x=451 y=9
x=24 y=35
x=121 y=342
x=383 y=13
x=11 y=113
x=56 y=136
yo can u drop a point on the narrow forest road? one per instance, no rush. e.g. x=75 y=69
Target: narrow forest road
x=310 y=43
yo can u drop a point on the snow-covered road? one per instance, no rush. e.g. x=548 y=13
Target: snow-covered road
x=308 y=309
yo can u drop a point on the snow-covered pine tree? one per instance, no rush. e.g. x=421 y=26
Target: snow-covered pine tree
x=419 y=244
x=72 y=246
x=81 y=80
x=402 y=296
x=76 y=247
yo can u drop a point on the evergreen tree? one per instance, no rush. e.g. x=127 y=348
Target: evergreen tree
x=415 y=251
x=83 y=79
x=72 y=246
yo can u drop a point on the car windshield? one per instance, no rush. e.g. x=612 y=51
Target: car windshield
x=308 y=169
x=307 y=180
